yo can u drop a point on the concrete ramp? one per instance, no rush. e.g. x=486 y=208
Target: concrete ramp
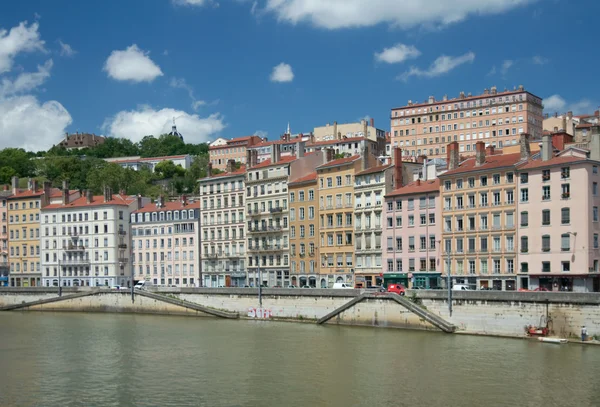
x=49 y=300
x=189 y=305
x=433 y=319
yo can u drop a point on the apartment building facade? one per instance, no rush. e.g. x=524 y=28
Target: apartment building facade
x=559 y=221
x=498 y=118
x=222 y=227
x=336 y=206
x=223 y=150
x=364 y=128
x=4 y=264
x=479 y=209
x=304 y=231
x=412 y=234
x=370 y=188
x=86 y=240
x=165 y=240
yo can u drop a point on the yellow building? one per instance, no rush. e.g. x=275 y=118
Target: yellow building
x=24 y=230
x=336 y=205
x=304 y=231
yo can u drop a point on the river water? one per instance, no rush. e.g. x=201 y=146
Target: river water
x=77 y=359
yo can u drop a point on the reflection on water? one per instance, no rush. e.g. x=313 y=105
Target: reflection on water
x=75 y=359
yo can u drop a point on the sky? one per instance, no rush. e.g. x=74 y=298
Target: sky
x=231 y=68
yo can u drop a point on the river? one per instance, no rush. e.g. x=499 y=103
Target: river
x=78 y=359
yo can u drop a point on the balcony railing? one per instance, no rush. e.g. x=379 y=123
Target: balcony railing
x=74 y=248
x=122 y=246
x=276 y=210
x=74 y=262
x=122 y=232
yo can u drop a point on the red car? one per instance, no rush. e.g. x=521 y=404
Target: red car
x=396 y=288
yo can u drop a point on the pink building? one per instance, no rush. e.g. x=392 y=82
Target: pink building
x=4 y=265
x=411 y=234
x=165 y=243
x=559 y=225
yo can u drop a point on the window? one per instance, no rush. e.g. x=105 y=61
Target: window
x=595 y=240
x=524 y=218
x=524 y=178
x=565 y=216
x=565 y=172
x=565 y=242
x=546 y=192
x=595 y=188
x=546 y=243
x=524 y=195
x=483 y=180
x=524 y=244
x=566 y=191
x=566 y=266
x=595 y=214
x=496 y=179
x=546 y=175
x=447 y=185
x=546 y=217
x=546 y=266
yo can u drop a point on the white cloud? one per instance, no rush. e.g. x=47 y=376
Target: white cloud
x=66 y=50
x=492 y=71
x=506 y=65
x=539 y=60
x=261 y=133
x=443 y=64
x=197 y=3
x=22 y=38
x=397 y=53
x=558 y=104
x=26 y=81
x=131 y=64
x=144 y=121
x=282 y=73
x=27 y=123
x=335 y=14
x=180 y=83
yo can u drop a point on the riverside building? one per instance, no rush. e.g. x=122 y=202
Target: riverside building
x=165 y=243
x=86 y=240
x=222 y=227
x=498 y=118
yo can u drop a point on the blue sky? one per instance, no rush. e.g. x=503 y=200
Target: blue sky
x=238 y=67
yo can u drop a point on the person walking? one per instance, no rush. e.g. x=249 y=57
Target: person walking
x=583 y=333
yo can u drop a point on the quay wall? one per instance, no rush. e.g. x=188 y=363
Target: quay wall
x=478 y=312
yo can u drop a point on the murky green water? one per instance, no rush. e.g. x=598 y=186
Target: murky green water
x=75 y=359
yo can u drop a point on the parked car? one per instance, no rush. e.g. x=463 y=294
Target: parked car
x=292 y=286
x=397 y=289
x=307 y=286
x=378 y=288
x=461 y=287
x=541 y=289
x=342 y=286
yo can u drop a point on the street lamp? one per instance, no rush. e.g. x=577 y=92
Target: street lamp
x=59 y=273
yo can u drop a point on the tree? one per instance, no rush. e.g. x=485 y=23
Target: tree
x=19 y=160
x=168 y=169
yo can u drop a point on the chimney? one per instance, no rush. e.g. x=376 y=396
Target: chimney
x=184 y=200
x=372 y=122
x=452 y=156
x=421 y=159
x=15 y=185
x=546 y=147
x=300 y=149
x=209 y=170
x=364 y=161
x=230 y=165
x=418 y=182
x=365 y=128
x=431 y=100
x=479 y=153
x=159 y=201
x=335 y=132
x=107 y=193
x=34 y=184
x=275 y=153
x=525 y=148
x=89 y=196
x=65 y=192
x=139 y=201
x=397 y=167
x=30 y=184
x=248 y=158
x=489 y=150
x=569 y=115
x=327 y=155
x=122 y=192
x=47 y=187
x=556 y=129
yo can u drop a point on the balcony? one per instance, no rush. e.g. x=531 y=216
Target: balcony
x=74 y=248
x=277 y=209
x=74 y=262
x=122 y=232
x=123 y=260
x=122 y=246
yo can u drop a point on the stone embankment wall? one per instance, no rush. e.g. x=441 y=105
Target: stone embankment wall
x=479 y=312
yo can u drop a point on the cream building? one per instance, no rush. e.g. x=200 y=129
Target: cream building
x=87 y=240
x=223 y=228
x=498 y=118
x=222 y=150
x=165 y=243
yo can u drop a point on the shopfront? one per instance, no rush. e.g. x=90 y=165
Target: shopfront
x=395 y=278
x=426 y=280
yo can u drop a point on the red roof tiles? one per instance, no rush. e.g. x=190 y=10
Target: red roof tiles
x=240 y=171
x=339 y=161
x=553 y=161
x=307 y=178
x=98 y=200
x=416 y=187
x=267 y=163
x=168 y=206
x=373 y=170
x=491 y=162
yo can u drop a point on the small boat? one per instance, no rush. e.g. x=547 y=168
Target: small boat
x=554 y=340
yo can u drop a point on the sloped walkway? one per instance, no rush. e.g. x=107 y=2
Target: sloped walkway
x=48 y=300
x=433 y=319
x=189 y=305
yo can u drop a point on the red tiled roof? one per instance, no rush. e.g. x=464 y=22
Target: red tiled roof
x=267 y=163
x=310 y=177
x=98 y=200
x=585 y=125
x=339 y=161
x=240 y=171
x=57 y=193
x=491 y=162
x=168 y=206
x=134 y=160
x=374 y=169
x=26 y=193
x=532 y=164
x=417 y=187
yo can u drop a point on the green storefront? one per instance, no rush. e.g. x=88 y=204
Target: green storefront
x=426 y=280
x=395 y=278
